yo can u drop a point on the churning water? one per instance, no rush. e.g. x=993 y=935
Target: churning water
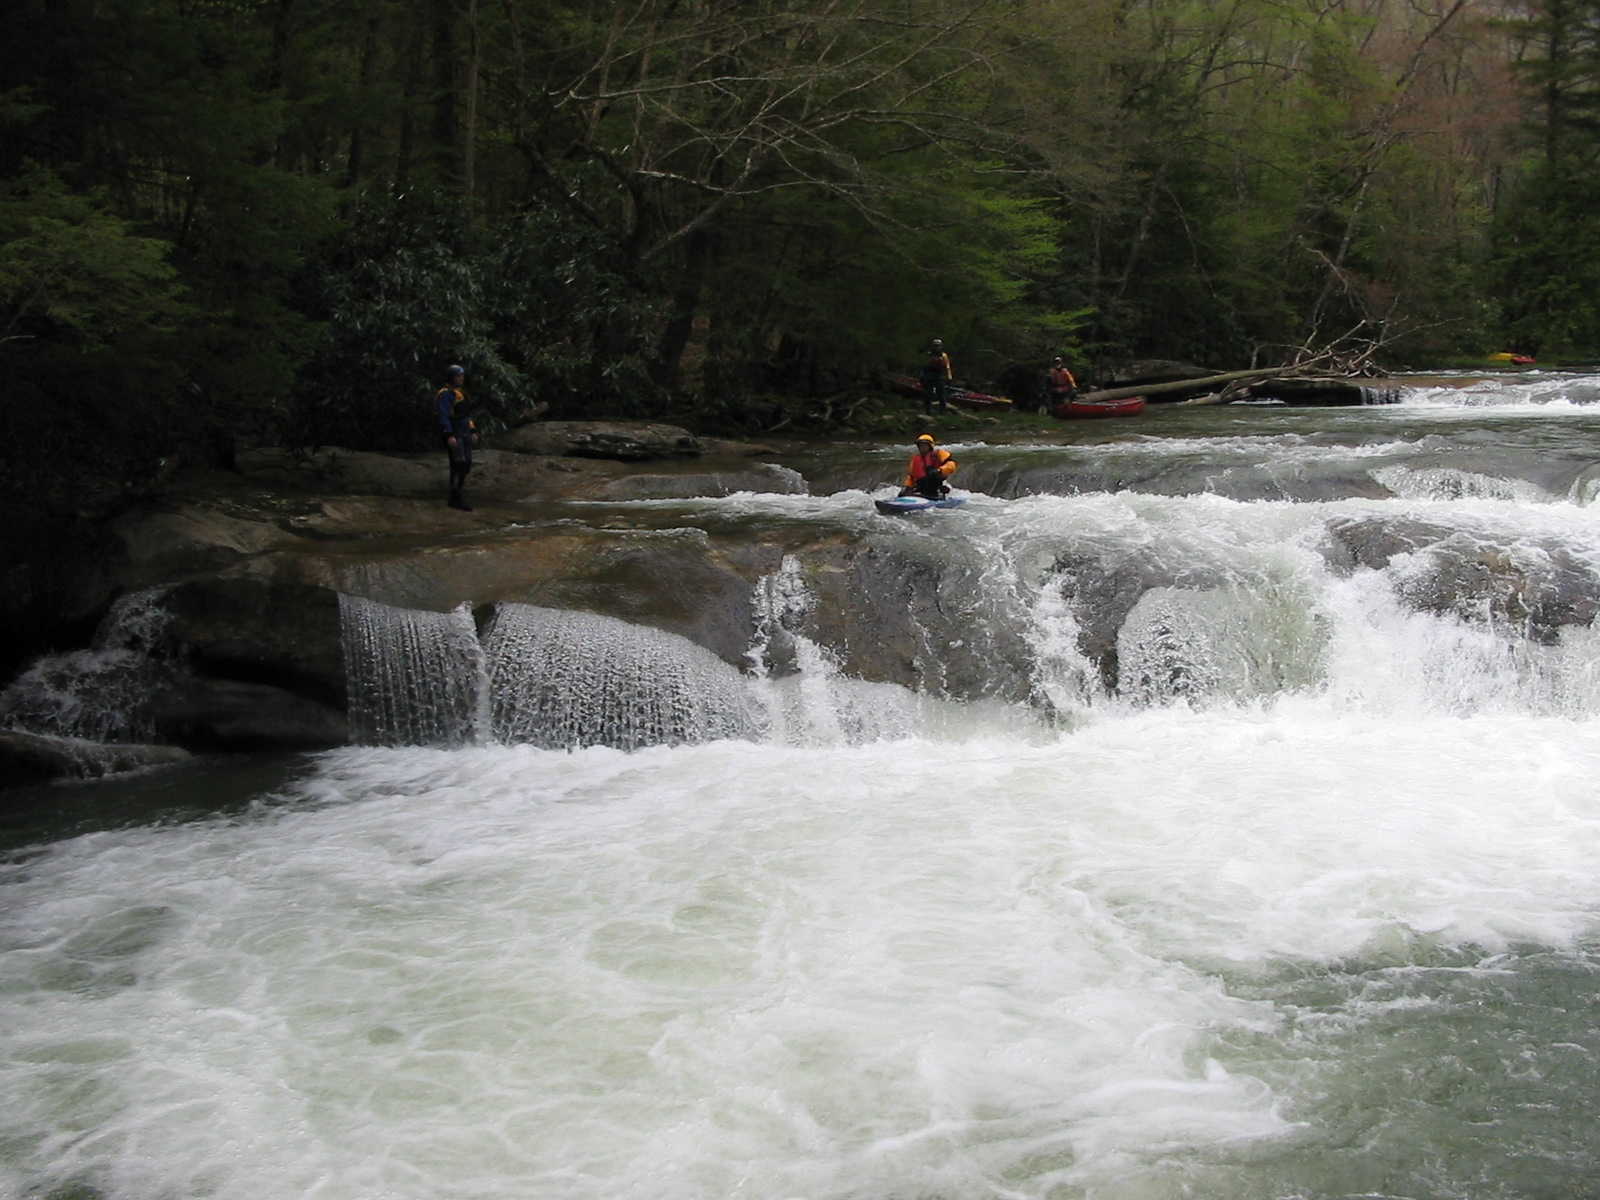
x=1274 y=876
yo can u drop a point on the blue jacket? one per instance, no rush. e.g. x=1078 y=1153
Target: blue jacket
x=453 y=418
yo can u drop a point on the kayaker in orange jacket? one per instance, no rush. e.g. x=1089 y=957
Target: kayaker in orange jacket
x=928 y=469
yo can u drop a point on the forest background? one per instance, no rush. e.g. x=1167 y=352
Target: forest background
x=233 y=221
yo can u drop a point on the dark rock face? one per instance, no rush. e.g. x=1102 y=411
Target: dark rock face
x=260 y=629
x=56 y=578
x=497 y=471
x=226 y=714
x=1102 y=594
x=678 y=581
x=333 y=469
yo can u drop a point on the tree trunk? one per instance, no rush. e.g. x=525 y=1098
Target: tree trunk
x=1181 y=385
x=469 y=90
x=446 y=131
x=685 y=304
x=405 y=152
x=358 y=128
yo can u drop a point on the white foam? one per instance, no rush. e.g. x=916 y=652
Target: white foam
x=903 y=968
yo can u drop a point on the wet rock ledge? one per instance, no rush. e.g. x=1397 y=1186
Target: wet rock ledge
x=242 y=572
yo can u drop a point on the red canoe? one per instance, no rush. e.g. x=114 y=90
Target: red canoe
x=1130 y=406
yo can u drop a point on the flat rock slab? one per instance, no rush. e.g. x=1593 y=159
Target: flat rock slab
x=625 y=441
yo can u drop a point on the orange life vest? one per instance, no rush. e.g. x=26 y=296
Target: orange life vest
x=935 y=462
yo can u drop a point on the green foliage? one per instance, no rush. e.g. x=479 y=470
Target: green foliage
x=403 y=293
x=1546 y=259
x=149 y=257
x=90 y=315
x=72 y=271
x=570 y=316
x=411 y=287
x=1544 y=250
x=300 y=212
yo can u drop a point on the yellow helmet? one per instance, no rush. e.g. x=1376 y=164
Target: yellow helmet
x=925 y=437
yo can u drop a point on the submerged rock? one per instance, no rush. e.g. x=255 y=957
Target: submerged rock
x=762 y=477
x=1539 y=586
x=36 y=757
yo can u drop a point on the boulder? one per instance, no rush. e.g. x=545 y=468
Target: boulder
x=1539 y=586
x=498 y=472
x=259 y=626
x=1372 y=541
x=1585 y=486
x=896 y=610
x=625 y=441
x=36 y=757
x=57 y=575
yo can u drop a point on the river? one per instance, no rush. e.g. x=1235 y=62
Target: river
x=1302 y=903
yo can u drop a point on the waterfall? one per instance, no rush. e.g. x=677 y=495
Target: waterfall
x=1053 y=612
x=561 y=679
x=1453 y=483
x=808 y=700
x=795 y=677
x=96 y=695
x=101 y=694
x=414 y=678
x=1218 y=644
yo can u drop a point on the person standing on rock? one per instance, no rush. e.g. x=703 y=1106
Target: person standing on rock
x=455 y=424
x=936 y=376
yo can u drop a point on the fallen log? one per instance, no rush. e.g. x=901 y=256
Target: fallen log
x=1183 y=385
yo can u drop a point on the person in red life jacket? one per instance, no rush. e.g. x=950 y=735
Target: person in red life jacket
x=928 y=469
x=458 y=432
x=1060 y=385
x=936 y=376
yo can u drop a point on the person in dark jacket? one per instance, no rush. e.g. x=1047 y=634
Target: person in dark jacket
x=457 y=431
x=936 y=376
